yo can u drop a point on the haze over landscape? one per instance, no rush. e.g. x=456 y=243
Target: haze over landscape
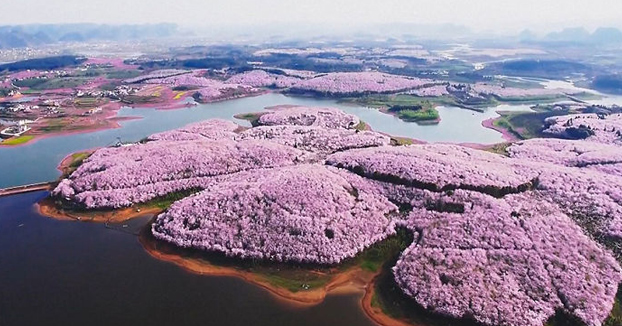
x=305 y=163
x=480 y=15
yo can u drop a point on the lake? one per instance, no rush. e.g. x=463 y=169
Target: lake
x=37 y=162
x=76 y=273
x=70 y=273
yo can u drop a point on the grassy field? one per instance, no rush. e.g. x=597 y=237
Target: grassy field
x=380 y=101
x=418 y=115
x=500 y=149
x=54 y=125
x=123 y=74
x=524 y=125
x=137 y=99
x=17 y=140
x=76 y=160
x=406 y=107
x=253 y=118
x=384 y=252
x=401 y=141
x=166 y=201
x=615 y=319
x=362 y=126
x=295 y=280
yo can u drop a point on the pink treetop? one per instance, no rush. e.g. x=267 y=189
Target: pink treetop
x=213 y=129
x=511 y=261
x=333 y=83
x=499 y=239
x=304 y=213
x=260 y=78
x=577 y=153
x=606 y=129
x=122 y=176
x=438 y=167
x=432 y=91
x=308 y=116
x=315 y=138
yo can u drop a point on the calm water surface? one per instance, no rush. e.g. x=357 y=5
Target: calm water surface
x=71 y=273
x=37 y=162
x=75 y=273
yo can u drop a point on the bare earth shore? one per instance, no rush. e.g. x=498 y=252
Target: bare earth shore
x=508 y=136
x=47 y=207
x=350 y=281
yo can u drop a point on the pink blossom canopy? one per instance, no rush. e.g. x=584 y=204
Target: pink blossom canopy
x=502 y=240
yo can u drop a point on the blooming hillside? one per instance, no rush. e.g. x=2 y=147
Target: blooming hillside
x=207 y=90
x=502 y=240
x=602 y=129
x=510 y=261
x=340 y=83
x=305 y=213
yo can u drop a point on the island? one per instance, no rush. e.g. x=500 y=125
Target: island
x=63 y=95
x=307 y=202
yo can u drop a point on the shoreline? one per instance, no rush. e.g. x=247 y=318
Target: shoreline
x=350 y=281
x=114 y=119
x=353 y=280
x=507 y=136
x=111 y=116
x=376 y=314
x=47 y=208
x=37 y=137
x=424 y=122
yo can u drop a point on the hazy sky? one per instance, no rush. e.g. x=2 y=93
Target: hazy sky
x=500 y=15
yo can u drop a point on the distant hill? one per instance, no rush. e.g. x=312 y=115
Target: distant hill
x=608 y=84
x=578 y=35
x=527 y=35
x=607 y=35
x=49 y=63
x=537 y=68
x=33 y=35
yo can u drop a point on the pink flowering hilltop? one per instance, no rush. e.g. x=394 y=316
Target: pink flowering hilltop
x=306 y=213
x=304 y=116
x=501 y=240
x=510 y=261
x=337 y=83
x=192 y=82
x=604 y=157
x=374 y=82
x=187 y=158
x=598 y=128
x=512 y=92
x=206 y=90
